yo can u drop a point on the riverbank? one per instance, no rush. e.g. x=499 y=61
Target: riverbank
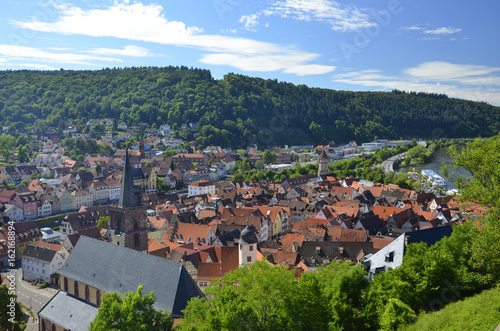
x=418 y=155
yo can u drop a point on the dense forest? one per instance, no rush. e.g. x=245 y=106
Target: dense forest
x=236 y=110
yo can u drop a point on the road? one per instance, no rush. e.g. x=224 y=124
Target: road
x=389 y=163
x=32 y=297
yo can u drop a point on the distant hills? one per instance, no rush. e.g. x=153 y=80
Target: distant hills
x=236 y=110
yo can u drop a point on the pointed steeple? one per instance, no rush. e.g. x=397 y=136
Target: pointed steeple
x=127 y=197
x=323 y=155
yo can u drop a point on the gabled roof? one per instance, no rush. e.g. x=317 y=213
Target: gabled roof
x=38 y=253
x=109 y=267
x=69 y=312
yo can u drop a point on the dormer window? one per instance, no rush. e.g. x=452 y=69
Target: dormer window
x=389 y=257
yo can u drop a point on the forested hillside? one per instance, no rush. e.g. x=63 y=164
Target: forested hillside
x=236 y=110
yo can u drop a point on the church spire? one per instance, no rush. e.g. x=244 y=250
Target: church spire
x=127 y=197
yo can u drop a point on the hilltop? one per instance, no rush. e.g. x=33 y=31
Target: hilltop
x=236 y=110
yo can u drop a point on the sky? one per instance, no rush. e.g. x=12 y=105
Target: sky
x=448 y=47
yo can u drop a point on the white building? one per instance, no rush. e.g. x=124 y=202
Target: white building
x=38 y=263
x=247 y=246
x=201 y=187
x=114 y=189
x=391 y=256
x=44 y=207
x=14 y=213
x=52 y=237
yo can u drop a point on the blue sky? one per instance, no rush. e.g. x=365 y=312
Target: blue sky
x=443 y=46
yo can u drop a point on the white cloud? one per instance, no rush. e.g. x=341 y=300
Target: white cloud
x=228 y=31
x=264 y=62
x=310 y=69
x=445 y=71
x=133 y=51
x=412 y=28
x=432 y=34
x=249 y=21
x=443 y=30
x=470 y=82
x=29 y=53
x=147 y=23
x=33 y=66
x=339 y=17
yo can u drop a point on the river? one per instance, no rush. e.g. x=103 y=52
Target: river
x=440 y=157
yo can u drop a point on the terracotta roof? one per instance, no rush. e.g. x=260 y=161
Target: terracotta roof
x=289 y=257
x=54 y=247
x=379 y=243
x=353 y=235
x=206 y=213
x=376 y=191
x=429 y=216
x=334 y=231
x=384 y=212
x=154 y=245
x=157 y=221
x=288 y=241
x=191 y=231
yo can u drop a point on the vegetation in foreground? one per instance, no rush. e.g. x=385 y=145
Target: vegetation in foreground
x=478 y=313
x=338 y=296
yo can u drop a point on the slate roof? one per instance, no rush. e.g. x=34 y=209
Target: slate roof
x=429 y=236
x=332 y=250
x=69 y=312
x=372 y=224
x=127 y=198
x=38 y=253
x=109 y=267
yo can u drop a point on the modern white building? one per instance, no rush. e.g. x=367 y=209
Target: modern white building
x=38 y=263
x=201 y=187
x=51 y=236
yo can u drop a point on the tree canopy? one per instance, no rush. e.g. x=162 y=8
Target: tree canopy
x=234 y=111
x=131 y=311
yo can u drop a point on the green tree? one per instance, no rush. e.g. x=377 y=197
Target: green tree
x=131 y=311
x=253 y=297
x=268 y=157
x=10 y=310
x=480 y=159
x=103 y=222
x=22 y=153
x=168 y=153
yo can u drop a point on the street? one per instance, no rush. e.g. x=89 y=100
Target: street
x=32 y=297
x=389 y=163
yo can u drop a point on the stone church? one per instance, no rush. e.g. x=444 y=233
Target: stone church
x=129 y=220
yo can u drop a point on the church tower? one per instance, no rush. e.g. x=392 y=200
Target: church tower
x=323 y=163
x=247 y=246
x=129 y=220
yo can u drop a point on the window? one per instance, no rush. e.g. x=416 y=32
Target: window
x=389 y=257
x=250 y=248
x=136 y=225
x=98 y=297
x=75 y=288
x=249 y=259
x=66 y=284
x=87 y=293
x=136 y=240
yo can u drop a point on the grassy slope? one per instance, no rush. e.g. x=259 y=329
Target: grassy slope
x=480 y=312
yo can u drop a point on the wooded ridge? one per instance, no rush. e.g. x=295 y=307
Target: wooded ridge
x=234 y=111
